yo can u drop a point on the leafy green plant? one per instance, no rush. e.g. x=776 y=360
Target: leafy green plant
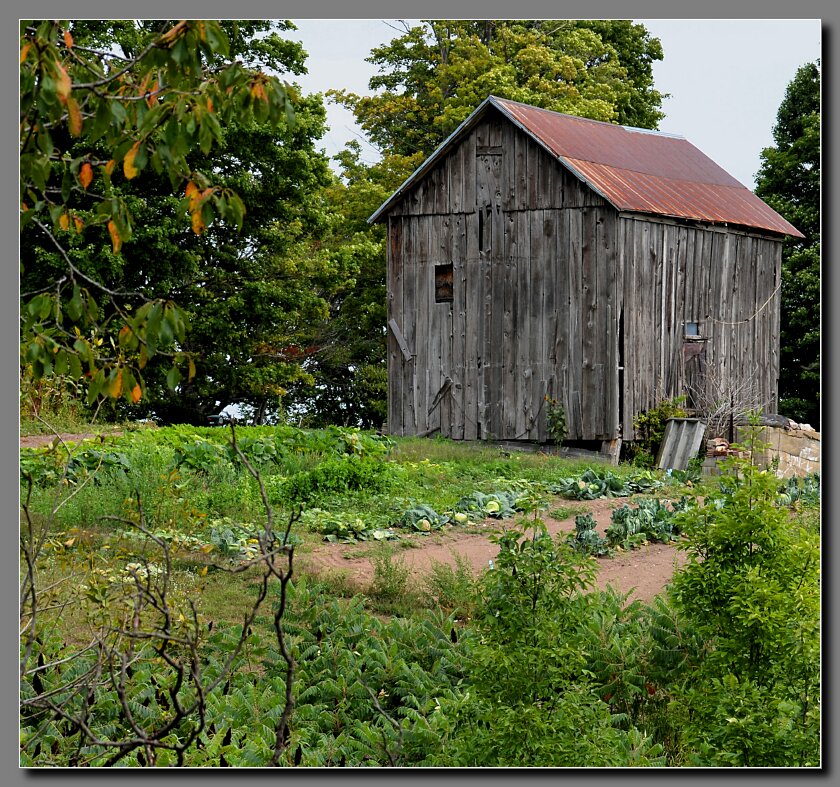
x=751 y=588
x=423 y=519
x=498 y=505
x=390 y=577
x=650 y=429
x=335 y=475
x=201 y=456
x=586 y=538
x=555 y=416
x=650 y=520
x=453 y=588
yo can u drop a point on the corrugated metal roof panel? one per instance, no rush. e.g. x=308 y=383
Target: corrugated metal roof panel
x=716 y=203
x=636 y=170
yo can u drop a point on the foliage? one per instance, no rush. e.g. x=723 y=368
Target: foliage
x=522 y=664
x=650 y=520
x=751 y=589
x=789 y=181
x=556 y=418
x=498 y=505
x=103 y=104
x=390 y=577
x=423 y=519
x=650 y=429
x=335 y=476
x=805 y=490
x=52 y=465
x=586 y=538
x=595 y=482
x=436 y=73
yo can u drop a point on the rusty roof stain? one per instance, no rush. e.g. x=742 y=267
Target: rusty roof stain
x=636 y=170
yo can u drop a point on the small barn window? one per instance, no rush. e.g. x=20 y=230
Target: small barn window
x=692 y=330
x=443 y=283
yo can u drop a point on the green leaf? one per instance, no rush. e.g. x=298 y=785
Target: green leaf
x=173 y=377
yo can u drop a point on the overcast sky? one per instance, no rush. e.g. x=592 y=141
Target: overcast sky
x=726 y=78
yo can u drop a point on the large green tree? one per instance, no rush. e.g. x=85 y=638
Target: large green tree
x=435 y=74
x=789 y=181
x=249 y=286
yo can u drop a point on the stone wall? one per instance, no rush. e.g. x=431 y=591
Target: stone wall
x=798 y=450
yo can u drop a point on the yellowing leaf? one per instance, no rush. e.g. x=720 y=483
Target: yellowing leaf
x=63 y=84
x=86 y=175
x=116 y=240
x=136 y=393
x=202 y=572
x=74 y=118
x=191 y=369
x=109 y=167
x=68 y=39
x=79 y=224
x=128 y=162
x=24 y=51
x=69 y=542
x=171 y=35
x=152 y=94
x=198 y=225
x=64 y=221
x=115 y=386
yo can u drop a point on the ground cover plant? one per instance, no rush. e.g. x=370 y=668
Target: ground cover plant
x=165 y=620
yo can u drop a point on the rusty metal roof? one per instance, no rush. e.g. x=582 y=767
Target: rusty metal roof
x=636 y=170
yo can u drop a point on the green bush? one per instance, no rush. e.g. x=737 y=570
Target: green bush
x=751 y=589
x=335 y=476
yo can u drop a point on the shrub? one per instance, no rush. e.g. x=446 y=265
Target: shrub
x=335 y=476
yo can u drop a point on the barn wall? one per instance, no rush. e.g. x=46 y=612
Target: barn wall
x=535 y=296
x=724 y=279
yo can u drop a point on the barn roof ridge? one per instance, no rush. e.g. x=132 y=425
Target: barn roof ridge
x=635 y=170
x=638 y=129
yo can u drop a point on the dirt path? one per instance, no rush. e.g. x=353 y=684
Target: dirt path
x=33 y=440
x=643 y=571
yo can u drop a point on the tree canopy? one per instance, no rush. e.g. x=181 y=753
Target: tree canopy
x=435 y=74
x=104 y=106
x=789 y=181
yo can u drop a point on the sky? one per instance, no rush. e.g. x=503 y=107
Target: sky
x=726 y=78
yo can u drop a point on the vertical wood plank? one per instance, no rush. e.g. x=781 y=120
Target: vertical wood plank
x=473 y=324
x=395 y=286
x=409 y=326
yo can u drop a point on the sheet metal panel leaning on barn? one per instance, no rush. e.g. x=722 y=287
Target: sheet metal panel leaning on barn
x=538 y=254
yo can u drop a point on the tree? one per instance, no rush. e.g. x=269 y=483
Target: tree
x=432 y=77
x=348 y=374
x=789 y=181
x=124 y=99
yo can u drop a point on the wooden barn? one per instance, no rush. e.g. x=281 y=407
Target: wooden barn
x=538 y=254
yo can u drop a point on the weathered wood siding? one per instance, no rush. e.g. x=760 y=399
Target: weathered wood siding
x=725 y=280
x=535 y=296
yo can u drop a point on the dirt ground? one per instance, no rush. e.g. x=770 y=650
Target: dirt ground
x=642 y=572
x=30 y=441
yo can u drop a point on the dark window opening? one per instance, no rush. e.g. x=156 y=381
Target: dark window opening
x=443 y=283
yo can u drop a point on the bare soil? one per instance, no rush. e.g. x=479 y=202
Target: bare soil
x=641 y=572
x=33 y=440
